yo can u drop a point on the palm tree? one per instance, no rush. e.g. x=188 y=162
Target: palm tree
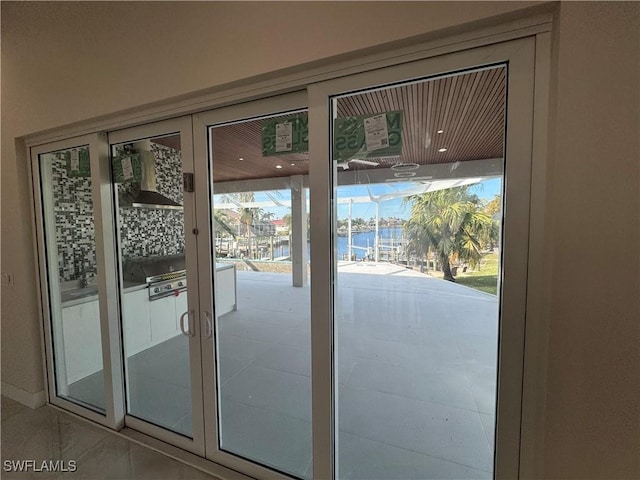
x=491 y=236
x=448 y=222
x=246 y=214
x=287 y=221
x=222 y=220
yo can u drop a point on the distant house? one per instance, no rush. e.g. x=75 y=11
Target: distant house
x=281 y=226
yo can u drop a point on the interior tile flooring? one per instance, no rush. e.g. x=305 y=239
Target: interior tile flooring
x=416 y=368
x=48 y=434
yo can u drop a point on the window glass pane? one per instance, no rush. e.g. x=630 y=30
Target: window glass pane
x=261 y=291
x=148 y=184
x=73 y=291
x=418 y=171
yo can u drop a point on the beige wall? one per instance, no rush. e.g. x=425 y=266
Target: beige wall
x=593 y=416
x=68 y=62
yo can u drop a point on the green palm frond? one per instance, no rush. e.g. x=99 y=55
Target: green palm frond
x=220 y=220
x=449 y=222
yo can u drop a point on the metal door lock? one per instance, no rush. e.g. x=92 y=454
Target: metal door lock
x=187 y=182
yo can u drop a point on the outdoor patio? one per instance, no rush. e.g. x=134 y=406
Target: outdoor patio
x=416 y=374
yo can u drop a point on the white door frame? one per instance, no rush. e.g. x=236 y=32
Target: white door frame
x=182 y=126
x=519 y=55
x=109 y=328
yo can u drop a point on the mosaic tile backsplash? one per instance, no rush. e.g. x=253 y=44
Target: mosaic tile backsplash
x=73 y=211
x=143 y=231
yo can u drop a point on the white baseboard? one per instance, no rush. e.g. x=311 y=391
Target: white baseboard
x=31 y=400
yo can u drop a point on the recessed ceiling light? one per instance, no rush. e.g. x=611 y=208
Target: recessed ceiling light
x=442 y=150
x=240 y=158
x=278 y=166
x=293 y=164
x=440 y=131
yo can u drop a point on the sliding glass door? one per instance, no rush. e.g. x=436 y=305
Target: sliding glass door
x=416 y=303
x=157 y=258
x=182 y=299
x=257 y=355
x=418 y=321
x=68 y=214
x=75 y=248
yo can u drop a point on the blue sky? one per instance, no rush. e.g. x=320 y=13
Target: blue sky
x=394 y=208
x=391 y=208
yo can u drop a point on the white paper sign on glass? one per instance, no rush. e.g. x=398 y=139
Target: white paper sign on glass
x=75 y=160
x=127 y=168
x=376 y=133
x=283 y=137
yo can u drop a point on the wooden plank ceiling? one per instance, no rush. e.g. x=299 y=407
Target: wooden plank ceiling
x=468 y=108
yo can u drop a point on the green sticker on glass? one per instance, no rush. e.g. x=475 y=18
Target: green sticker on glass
x=368 y=136
x=77 y=162
x=282 y=136
x=127 y=168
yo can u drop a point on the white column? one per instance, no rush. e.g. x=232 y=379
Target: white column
x=349 y=230
x=298 y=247
x=376 y=246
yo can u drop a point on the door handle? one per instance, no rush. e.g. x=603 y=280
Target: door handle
x=187 y=332
x=208 y=324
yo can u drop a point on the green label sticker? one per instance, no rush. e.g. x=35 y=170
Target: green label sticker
x=127 y=168
x=77 y=162
x=282 y=136
x=368 y=136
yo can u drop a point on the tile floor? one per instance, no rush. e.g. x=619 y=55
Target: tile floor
x=159 y=386
x=416 y=373
x=48 y=434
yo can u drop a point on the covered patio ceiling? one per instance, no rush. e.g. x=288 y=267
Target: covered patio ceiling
x=468 y=110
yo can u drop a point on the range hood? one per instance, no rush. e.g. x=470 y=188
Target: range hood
x=147 y=196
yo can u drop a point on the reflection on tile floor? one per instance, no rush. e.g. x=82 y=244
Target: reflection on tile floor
x=416 y=365
x=47 y=434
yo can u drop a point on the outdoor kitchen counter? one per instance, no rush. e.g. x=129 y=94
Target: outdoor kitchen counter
x=226 y=290
x=226 y=294
x=90 y=294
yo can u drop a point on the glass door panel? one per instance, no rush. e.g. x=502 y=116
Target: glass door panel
x=261 y=291
x=158 y=326
x=418 y=181
x=70 y=245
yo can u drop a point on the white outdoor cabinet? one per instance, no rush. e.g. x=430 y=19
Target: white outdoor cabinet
x=162 y=317
x=181 y=307
x=225 y=295
x=136 y=321
x=82 y=342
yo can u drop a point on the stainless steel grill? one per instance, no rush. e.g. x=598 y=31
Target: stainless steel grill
x=165 y=275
